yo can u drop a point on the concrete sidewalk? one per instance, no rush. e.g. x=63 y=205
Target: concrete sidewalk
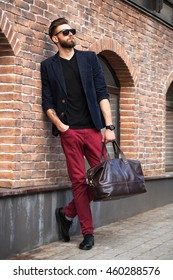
x=147 y=236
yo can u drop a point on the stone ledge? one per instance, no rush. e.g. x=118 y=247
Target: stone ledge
x=31 y=190
x=160 y=177
x=47 y=188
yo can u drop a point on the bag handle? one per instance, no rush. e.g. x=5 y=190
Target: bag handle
x=118 y=154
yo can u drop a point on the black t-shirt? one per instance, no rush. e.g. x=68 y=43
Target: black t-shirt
x=77 y=114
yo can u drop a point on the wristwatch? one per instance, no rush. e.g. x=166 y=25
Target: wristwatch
x=111 y=127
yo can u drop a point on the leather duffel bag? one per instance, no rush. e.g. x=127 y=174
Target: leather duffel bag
x=116 y=178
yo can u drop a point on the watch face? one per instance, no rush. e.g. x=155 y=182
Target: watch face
x=111 y=127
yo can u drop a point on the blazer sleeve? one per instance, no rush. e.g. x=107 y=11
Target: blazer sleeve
x=99 y=79
x=47 y=100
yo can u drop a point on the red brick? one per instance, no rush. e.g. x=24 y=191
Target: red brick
x=138 y=49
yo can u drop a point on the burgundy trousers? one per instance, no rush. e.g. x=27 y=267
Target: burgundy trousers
x=77 y=144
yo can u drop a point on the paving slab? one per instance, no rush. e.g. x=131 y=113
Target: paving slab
x=148 y=236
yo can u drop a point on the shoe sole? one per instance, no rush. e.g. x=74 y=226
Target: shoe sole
x=86 y=248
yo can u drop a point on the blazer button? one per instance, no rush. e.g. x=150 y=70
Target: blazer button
x=62 y=114
x=63 y=100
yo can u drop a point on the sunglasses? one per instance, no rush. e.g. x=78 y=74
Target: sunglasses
x=66 y=32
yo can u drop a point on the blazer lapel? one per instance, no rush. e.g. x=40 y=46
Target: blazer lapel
x=81 y=60
x=59 y=72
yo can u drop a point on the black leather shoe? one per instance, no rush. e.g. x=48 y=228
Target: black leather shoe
x=87 y=243
x=64 y=224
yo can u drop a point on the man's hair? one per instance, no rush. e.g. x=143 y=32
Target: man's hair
x=54 y=24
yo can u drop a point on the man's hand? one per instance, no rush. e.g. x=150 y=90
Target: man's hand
x=56 y=121
x=63 y=127
x=108 y=136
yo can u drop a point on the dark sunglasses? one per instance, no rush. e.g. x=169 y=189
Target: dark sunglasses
x=66 y=32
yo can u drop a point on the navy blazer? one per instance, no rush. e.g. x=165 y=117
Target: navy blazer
x=54 y=94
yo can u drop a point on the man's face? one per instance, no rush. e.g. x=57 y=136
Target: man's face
x=64 y=37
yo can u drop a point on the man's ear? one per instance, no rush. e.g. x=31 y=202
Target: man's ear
x=55 y=39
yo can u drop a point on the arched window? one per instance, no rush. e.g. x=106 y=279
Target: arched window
x=169 y=129
x=114 y=91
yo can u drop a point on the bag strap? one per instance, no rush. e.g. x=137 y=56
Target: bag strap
x=118 y=153
x=102 y=153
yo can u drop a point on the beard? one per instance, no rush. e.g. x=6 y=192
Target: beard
x=67 y=44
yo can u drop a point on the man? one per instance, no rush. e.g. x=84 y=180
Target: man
x=75 y=98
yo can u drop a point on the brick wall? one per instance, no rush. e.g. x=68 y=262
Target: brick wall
x=139 y=50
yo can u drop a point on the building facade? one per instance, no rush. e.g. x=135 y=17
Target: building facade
x=134 y=43
x=137 y=48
